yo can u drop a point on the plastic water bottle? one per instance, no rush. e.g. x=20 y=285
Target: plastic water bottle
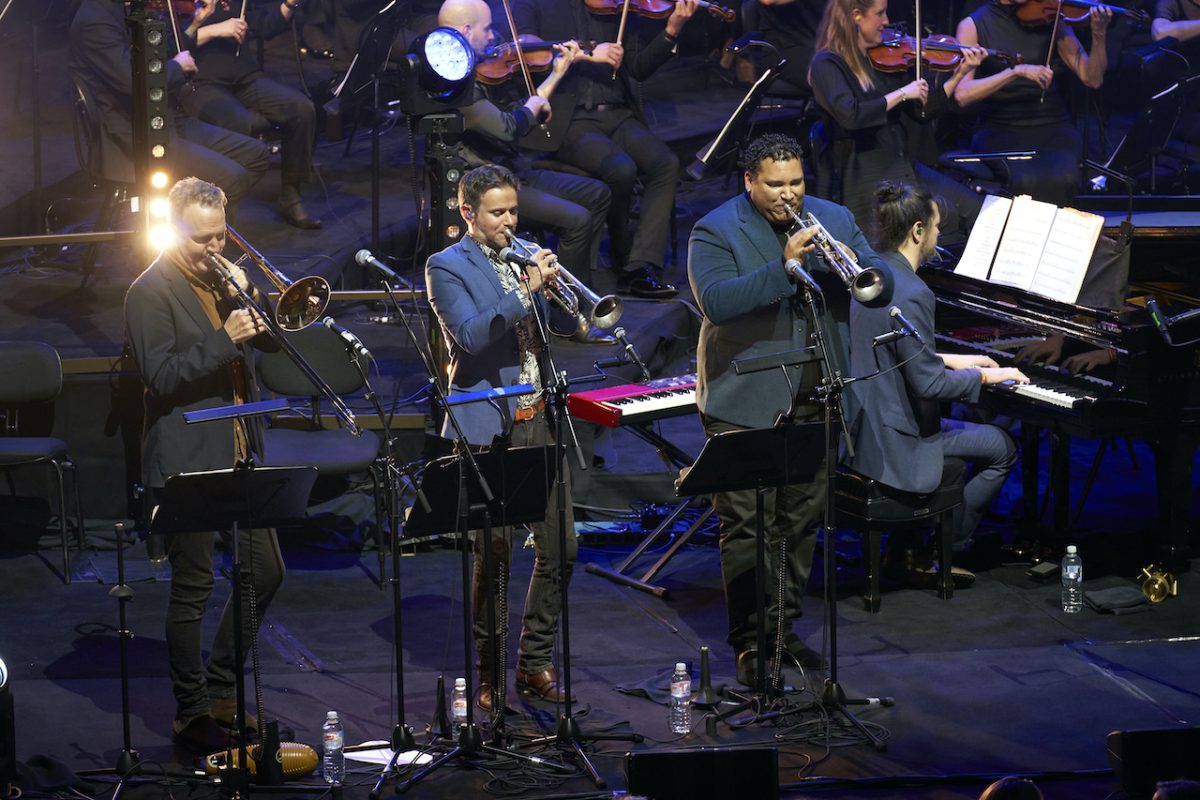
x=333 y=742
x=458 y=702
x=681 y=699
x=1072 y=581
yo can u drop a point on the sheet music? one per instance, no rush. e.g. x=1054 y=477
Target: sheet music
x=976 y=259
x=1023 y=242
x=1067 y=254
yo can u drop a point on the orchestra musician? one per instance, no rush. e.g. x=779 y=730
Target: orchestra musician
x=1023 y=104
x=232 y=91
x=99 y=61
x=572 y=206
x=791 y=26
x=607 y=136
x=899 y=437
x=737 y=258
x=486 y=312
x=194 y=349
x=1180 y=20
x=875 y=114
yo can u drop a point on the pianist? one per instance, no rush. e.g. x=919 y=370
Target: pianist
x=898 y=436
x=485 y=311
x=737 y=258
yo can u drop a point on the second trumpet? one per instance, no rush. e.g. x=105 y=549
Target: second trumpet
x=572 y=295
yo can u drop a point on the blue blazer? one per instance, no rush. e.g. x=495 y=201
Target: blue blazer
x=752 y=308
x=886 y=422
x=479 y=319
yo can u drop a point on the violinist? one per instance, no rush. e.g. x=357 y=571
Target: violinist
x=875 y=114
x=607 y=136
x=574 y=207
x=233 y=92
x=100 y=63
x=1023 y=106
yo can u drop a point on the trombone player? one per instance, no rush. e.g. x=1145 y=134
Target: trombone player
x=193 y=350
x=485 y=306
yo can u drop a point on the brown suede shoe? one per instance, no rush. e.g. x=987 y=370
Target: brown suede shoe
x=223 y=710
x=200 y=735
x=541 y=686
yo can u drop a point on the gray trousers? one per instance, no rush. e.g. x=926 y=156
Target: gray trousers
x=789 y=514
x=542 y=602
x=992 y=455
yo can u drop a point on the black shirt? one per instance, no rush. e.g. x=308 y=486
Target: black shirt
x=1020 y=102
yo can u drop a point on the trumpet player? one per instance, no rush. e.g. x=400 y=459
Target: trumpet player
x=486 y=308
x=193 y=350
x=738 y=265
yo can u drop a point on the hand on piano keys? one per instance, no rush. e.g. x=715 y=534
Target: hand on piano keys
x=1047 y=351
x=994 y=375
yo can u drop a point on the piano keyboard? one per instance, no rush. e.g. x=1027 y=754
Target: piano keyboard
x=632 y=403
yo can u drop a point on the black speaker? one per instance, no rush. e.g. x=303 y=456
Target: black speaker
x=1142 y=758
x=8 y=744
x=706 y=773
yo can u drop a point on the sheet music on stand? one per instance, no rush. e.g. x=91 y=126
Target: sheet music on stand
x=1031 y=245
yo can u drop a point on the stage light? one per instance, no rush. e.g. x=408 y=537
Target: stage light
x=161 y=236
x=159 y=180
x=160 y=208
x=158 y=151
x=438 y=73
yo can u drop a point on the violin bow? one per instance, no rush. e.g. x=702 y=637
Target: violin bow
x=242 y=16
x=919 y=38
x=1053 y=40
x=621 y=29
x=516 y=42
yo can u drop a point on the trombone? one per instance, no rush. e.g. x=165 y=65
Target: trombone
x=300 y=304
x=865 y=285
x=572 y=295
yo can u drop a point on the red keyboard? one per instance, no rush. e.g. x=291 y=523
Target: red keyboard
x=632 y=403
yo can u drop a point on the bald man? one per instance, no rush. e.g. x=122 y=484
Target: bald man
x=573 y=207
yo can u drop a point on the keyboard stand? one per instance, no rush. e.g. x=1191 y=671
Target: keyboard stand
x=621 y=574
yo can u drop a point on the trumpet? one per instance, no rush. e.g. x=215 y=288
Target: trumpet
x=571 y=294
x=870 y=286
x=300 y=304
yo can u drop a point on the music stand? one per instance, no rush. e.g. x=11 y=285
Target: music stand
x=520 y=479
x=758 y=459
x=224 y=500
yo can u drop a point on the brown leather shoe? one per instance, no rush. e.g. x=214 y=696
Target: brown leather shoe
x=223 y=710
x=200 y=735
x=485 y=694
x=541 y=686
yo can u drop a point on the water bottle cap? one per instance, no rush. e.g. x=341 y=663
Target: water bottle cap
x=680 y=667
x=460 y=683
x=331 y=716
x=1070 y=549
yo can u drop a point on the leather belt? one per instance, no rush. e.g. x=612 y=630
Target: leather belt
x=611 y=107
x=527 y=413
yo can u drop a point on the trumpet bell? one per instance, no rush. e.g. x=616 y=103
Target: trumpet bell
x=872 y=287
x=607 y=311
x=302 y=303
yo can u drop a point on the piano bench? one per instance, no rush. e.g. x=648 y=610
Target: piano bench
x=869 y=506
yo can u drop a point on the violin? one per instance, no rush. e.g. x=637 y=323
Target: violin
x=1035 y=13
x=939 y=52
x=500 y=62
x=656 y=9
x=181 y=8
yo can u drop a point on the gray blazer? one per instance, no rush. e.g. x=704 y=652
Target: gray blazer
x=894 y=423
x=752 y=308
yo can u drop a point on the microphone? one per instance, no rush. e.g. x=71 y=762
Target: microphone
x=609 y=363
x=632 y=352
x=365 y=258
x=906 y=326
x=1159 y=320
x=797 y=271
x=513 y=257
x=349 y=338
x=888 y=338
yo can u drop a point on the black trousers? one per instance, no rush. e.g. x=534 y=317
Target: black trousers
x=255 y=105
x=229 y=159
x=573 y=207
x=789 y=515
x=614 y=146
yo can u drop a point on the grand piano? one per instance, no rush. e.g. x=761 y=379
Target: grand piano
x=1150 y=391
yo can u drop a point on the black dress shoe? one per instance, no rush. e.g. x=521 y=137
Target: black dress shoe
x=297 y=217
x=200 y=735
x=642 y=283
x=803 y=655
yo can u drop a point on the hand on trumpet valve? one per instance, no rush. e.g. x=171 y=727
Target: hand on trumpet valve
x=243 y=325
x=800 y=243
x=545 y=270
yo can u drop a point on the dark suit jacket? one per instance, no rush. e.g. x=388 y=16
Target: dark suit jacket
x=479 y=319
x=100 y=61
x=886 y=426
x=184 y=363
x=752 y=308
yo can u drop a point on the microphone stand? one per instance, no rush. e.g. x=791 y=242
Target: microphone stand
x=569 y=735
